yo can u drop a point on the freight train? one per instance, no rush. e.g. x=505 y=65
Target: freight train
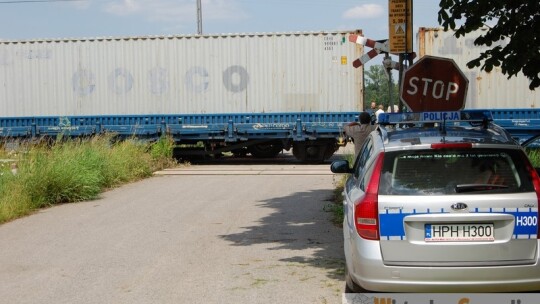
x=256 y=93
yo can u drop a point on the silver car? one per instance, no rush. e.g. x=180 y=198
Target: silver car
x=445 y=202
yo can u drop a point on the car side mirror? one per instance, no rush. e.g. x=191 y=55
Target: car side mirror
x=340 y=166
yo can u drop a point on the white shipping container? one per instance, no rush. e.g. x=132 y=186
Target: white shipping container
x=233 y=73
x=486 y=90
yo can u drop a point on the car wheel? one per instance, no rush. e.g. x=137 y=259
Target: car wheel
x=351 y=286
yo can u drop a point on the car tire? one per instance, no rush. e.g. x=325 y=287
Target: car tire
x=351 y=286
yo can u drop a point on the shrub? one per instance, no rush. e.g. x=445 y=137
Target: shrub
x=534 y=156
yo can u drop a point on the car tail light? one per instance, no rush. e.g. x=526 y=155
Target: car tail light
x=366 y=211
x=451 y=146
x=536 y=183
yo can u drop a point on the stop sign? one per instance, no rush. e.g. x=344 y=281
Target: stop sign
x=434 y=84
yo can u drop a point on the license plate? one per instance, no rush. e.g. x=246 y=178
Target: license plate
x=459 y=232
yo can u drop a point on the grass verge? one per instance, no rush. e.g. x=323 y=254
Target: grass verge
x=73 y=170
x=336 y=204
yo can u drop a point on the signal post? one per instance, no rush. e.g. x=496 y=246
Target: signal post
x=400 y=24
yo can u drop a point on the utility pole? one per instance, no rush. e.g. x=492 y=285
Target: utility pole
x=400 y=18
x=405 y=59
x=199 y=17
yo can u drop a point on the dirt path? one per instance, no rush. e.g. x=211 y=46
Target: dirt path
x=197 y=238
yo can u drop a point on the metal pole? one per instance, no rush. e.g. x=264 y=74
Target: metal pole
x=388 y=68
x=400 y=79
x=406 y=59
x=199 y=17
x=409 y=56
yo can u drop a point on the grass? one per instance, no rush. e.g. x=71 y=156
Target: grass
x=73 y=170
x=336 y=204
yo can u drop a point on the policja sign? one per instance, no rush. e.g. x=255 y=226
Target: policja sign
x=434 y=84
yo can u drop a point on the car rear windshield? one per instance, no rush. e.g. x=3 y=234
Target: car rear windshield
x=441 y=172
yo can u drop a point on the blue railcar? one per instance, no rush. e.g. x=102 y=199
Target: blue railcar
x=312 y=136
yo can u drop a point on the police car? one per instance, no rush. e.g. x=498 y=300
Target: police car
x=441 y=202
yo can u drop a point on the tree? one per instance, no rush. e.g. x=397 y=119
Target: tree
x=517 y=26
x=376 y=87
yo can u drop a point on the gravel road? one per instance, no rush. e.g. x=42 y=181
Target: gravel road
x=202 y=234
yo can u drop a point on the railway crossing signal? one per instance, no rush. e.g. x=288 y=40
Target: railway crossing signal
x=380 y=46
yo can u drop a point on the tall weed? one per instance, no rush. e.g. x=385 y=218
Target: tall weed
x=74 y=170
x=128 y=161
x=14 y=201
x=65 y=173
x=162 y=152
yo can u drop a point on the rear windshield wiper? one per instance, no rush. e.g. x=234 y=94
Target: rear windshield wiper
x=478 y=187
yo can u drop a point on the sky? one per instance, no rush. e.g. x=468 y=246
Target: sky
x=29 y=19
x=52 y=19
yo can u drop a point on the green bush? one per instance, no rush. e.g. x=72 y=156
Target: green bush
x=534 y=156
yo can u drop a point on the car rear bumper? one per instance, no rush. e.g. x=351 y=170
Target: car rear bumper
x=367 y=270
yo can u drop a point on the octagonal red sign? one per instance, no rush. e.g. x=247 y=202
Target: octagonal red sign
x=434 y=84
